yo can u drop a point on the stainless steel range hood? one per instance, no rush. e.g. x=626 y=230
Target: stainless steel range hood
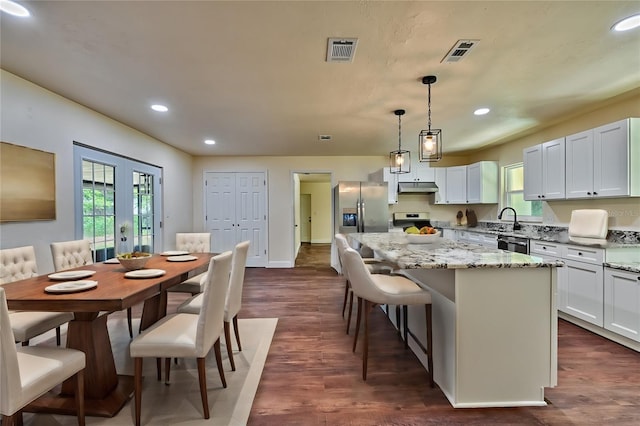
x=417 y=187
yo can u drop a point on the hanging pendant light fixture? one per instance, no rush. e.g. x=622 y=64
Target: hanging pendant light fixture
x=400 y=160
x=430 y=140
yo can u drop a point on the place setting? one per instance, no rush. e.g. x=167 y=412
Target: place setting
x=71 y=286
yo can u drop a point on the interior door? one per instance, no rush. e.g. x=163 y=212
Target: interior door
x=305 y=218
x=236 y=211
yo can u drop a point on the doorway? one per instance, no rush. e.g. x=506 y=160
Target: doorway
x=313 y=213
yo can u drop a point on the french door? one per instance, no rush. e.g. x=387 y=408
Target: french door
x=118 y=203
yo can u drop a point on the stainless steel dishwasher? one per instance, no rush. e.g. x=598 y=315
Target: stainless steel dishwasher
x=511 y=243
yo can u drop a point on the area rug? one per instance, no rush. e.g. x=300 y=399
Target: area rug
x=179 y=403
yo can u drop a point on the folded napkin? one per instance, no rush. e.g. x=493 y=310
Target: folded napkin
x=589 y=223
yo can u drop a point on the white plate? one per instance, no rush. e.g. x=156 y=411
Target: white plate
x=145 y=273
x=71 y=286
x=186 y=258
x=174 y=253
x=71 y=275
x=112 y=260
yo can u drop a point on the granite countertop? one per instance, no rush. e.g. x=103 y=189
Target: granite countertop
x=444 y=253
x=629 y=267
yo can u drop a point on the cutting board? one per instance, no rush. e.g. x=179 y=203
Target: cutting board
x=589 y=223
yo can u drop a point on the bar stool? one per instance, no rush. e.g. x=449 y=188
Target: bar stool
x=375 y=289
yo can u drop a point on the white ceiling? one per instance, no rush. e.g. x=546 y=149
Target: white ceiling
x=253 y=75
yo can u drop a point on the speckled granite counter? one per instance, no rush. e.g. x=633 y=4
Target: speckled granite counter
x=629 y=267
x=444 y=254
x=494 y=318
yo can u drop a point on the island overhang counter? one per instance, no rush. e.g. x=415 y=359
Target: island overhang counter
x=494 y=318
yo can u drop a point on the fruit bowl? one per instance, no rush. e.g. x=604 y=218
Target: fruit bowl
x=423 y=238
x=133 y=261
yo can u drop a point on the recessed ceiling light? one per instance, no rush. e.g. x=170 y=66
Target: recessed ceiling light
x=159 y=108
x=210 y=142
x=627 y=23
x=13 y=8
x=481 y=111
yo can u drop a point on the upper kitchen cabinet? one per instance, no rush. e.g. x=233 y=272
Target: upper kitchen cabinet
x=482 y=183
x=385 y=175
x=440 y=197
x=544 y=171
x=605 y=161
x=456 y=185
x=420 y=172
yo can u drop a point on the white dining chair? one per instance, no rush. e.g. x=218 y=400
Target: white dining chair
x=378 y=289
x=74 y=254
x=28 y=372
x=17 y=264
x=186 y=335
x=233 y=301
x=192 y=242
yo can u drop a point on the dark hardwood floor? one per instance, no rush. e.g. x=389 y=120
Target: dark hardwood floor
x=312 y=377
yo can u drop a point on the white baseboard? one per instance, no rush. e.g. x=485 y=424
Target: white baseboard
x=280 y=264
x=321 y=241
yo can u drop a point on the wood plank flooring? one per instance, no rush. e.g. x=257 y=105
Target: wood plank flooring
x=312 y=377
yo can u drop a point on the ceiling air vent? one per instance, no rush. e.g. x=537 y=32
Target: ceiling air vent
x=324 y=138
x=459 y=50
x=341 y=49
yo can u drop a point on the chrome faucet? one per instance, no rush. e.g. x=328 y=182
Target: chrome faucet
x=516 y=225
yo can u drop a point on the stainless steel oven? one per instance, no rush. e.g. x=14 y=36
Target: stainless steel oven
x=511 y=243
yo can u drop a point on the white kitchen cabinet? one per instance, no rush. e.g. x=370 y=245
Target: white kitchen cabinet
x=420 y=172
x=456 y=185
x=584 y=296
x=544 y=171
x=385 y=175
x=622 y=302
x=553 y=252
x=482 y=183
x=605 y=161
x=440 y=197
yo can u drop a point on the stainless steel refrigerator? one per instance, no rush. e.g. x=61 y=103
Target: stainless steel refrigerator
x=361 y=207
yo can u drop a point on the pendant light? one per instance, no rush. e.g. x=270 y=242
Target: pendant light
x=430 y=140
x=400 y=160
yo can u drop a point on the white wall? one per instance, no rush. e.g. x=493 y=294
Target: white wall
x=37 y=118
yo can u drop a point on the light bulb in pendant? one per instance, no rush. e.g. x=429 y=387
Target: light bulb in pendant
x=428 y=144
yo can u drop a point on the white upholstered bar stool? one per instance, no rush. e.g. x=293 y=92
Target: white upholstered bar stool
x=30 y=371
x=375 y=266
x=375 y=289
x=74 y=254
x=18 y=264
x=186 y=335
x=193 y=242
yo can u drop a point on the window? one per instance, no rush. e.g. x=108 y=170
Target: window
x=118 y=203
x=513 y=195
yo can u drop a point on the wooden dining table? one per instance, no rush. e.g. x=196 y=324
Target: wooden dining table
x=106 y=391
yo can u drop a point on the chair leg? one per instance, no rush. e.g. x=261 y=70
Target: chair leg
x=236 y=331
x=398 y=321
x=138 y=388
x=202 y=378
x=13 y=420
x=25 y=343
x=429 y=344
x=350 y=310
x=129 y=322
x=365 y=349
x=159 y=368
x=58 y=340
x=405 y=318
x=80 y=397
x=167 y=370
x=216 y=349
x=346 y=294
x=359 y=315
x=227 y=340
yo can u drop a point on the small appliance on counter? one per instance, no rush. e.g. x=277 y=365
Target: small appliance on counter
x=405 y=220
x=589 y=226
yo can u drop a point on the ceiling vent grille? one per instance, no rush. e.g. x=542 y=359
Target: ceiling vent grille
x=341 y=49
x=324 y=138
x=459 y=50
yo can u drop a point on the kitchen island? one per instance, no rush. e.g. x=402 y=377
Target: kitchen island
x=494 y=318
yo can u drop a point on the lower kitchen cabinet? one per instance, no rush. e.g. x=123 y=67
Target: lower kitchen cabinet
x=584 y=292
x=622 y=303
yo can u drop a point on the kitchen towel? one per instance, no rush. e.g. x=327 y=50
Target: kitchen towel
x=589 y=223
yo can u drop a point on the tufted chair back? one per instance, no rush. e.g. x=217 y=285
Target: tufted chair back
x=236 y=280
x=194 y=242
x=71 y=254
x=17 y=264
